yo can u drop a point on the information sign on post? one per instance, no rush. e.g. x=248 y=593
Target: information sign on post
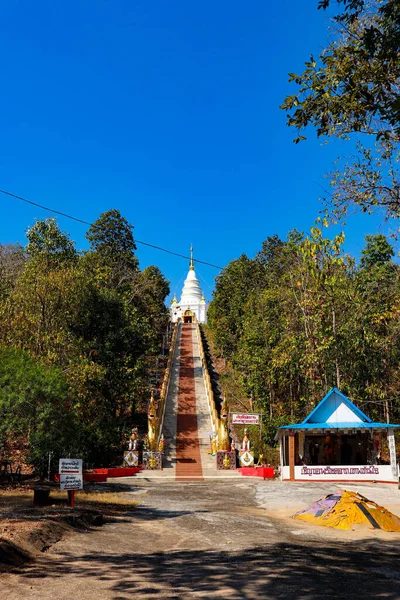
x=70 y=465
x=71 y=482
x=245 y=418
x=71 y=478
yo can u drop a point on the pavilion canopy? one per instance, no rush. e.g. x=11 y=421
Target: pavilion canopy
x=335 y=412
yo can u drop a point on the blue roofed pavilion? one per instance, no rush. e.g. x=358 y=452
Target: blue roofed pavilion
x=337 y=441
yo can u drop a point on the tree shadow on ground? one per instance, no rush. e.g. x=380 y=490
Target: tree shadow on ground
x=276 y=571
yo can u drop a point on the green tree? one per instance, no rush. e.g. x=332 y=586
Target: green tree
x=352 y=90
x=34 y=408
x=225 y=314
x=377 y=252
x=112 y=247
x=96 y=316
x=148 y=292
x=48 y=243
x=374 y=342
x=311 y=319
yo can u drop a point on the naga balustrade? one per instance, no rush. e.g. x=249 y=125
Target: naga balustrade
x=210 y=393
x=166 y=381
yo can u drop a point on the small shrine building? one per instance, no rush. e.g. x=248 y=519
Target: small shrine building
x=192 y=304
x=337 y=442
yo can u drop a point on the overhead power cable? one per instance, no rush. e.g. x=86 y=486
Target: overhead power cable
x=66 y=215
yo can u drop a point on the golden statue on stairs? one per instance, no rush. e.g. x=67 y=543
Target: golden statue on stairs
x=161 y=444
x=152 y=423
x=223 y=434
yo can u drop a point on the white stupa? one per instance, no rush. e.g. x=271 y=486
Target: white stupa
x=192 y=303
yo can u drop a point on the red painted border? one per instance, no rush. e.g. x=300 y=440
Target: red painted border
x=120 y=471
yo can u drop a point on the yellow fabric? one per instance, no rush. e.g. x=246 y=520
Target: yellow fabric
x=347 y=513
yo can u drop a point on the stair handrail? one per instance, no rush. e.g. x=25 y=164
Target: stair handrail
x=167 y=378
x=207 y=379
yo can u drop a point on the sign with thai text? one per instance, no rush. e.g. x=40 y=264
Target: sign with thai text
x=71 y=481
x=340 y=473
x=392 y=451
x=245 y=418
x=70 y=465
x=318 y=471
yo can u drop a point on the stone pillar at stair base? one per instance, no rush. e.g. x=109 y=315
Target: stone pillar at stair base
x=226 y=461
x=152 y=461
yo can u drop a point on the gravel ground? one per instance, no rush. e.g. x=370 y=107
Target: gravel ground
x=214 y=539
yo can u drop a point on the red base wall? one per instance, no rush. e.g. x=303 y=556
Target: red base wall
x=264 y=472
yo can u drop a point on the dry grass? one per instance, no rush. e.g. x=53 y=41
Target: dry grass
x=93 y=498
x=21 y=497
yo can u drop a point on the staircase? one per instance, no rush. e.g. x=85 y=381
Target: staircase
x=187 y=423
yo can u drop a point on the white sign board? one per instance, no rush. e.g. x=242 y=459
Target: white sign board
x=70 y=465
x=245 y=419
x=71 y=481
x=392 y=451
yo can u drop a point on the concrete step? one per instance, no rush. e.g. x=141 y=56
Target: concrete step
x=165 y=476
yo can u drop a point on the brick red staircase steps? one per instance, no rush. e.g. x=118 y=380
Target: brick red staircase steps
x=188 y=460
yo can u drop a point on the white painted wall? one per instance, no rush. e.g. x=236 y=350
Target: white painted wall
x=343 y=414
x=177 y=312
x=342 y=472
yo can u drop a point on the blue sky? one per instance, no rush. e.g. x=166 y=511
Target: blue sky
x=168 y=111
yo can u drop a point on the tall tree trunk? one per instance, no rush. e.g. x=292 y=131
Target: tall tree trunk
x=271 y=398
x=291 y=400
x=336 y=348
x=387 y=415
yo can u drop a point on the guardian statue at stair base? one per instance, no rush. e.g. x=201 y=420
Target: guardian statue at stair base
x=223 y=434
x=152 y=423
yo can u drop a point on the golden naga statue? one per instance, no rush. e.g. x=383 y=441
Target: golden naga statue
x=161 y=443
x=152 y=423
x=223 y=434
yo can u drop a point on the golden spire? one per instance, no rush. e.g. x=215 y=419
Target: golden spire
x=191 y=258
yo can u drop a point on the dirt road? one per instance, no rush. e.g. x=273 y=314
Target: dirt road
x=211 y=540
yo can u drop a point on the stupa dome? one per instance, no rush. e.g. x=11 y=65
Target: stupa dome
x=192 y=303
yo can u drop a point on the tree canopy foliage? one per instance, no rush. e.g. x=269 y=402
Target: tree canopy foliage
x=83 y=329
x=352 y=90
x=302 y=317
